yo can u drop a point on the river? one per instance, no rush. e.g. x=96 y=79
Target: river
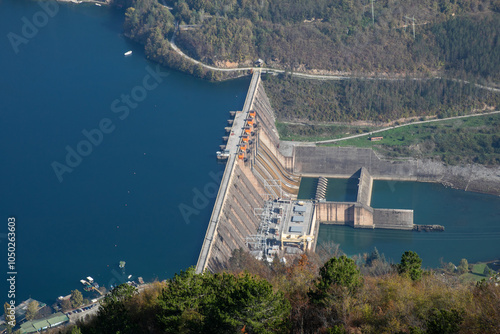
x=471 y=221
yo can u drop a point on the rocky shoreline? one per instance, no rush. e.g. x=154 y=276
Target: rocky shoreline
x=471 y=177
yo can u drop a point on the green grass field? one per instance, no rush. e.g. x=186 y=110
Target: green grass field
x=474 y=139
x=476 y=275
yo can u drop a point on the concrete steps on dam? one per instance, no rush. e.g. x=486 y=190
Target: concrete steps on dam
x=321 y=188
x=394 y=219
x=273 y=175
x=265 y=115
x=365 y=186
x=290 y=178
x=263 y=175
x=237 y=219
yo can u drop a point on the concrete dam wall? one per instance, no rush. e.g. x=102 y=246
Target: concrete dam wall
x=237 y=219
x=255 y=172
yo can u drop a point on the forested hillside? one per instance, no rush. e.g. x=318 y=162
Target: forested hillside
x=374 y=100
x=459 y=37
x=340 y=35
x=365 y=294
x=149 y=23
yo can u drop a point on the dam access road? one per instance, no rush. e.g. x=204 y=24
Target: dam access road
x=232 y=146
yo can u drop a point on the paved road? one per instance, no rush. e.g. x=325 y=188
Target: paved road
x=309 y=76
x=407 y=124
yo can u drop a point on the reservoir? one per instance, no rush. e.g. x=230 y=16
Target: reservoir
x=123 y=199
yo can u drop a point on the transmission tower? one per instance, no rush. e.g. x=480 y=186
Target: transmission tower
x=412 y=19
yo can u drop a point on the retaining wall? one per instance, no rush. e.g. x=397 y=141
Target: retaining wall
x=393 y=219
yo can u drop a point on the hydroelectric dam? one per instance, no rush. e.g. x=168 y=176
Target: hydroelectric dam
x=256 y=206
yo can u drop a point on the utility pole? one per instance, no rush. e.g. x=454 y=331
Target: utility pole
x=413 y=19
x=373 y=15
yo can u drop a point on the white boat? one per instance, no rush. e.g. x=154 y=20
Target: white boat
x=90 y=279
x=98 y=4
x=128 y=53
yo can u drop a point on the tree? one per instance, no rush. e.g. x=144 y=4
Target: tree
x=487 y=271
x=8 y=320
x=374 y=256
x=444 y=321
x=66 y=305
x=32 y=310
x=76 y=298
x=75 y=330
x=221 y=303
x=410 y=265
x=463 y=267
x=337 y=272
x=113 y=315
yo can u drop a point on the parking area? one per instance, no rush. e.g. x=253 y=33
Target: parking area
x=82 y=312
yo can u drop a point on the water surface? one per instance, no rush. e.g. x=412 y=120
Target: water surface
x=471 y=221
x=122 y=201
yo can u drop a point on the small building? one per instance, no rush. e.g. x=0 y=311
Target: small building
x=376 y=138
x=38 y=325
x=298 y=208
x=259 y=62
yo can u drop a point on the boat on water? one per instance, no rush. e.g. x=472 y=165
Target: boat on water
x=222 y=155
x=98 y=4
x=122 y=264
x=128 y=53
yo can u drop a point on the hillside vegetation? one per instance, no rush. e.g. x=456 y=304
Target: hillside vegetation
x=338 y=295
x=373 y=100
x=454 y=36
x=461 y=141
x=149 y=23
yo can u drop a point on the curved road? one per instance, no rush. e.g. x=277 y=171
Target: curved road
x=399 y=126
x=304 y=75
x=333 y=77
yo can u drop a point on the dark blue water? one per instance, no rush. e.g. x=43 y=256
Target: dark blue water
x=471 y=221
x=121 y=202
